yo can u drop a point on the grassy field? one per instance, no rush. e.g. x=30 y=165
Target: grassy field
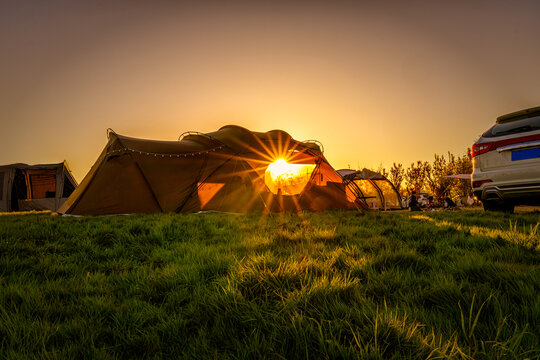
x=459 y=284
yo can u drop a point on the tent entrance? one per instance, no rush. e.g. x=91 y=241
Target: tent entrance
x=42 y=184
x=19 y=191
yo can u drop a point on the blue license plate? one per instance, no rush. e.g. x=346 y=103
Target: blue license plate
x=525 y=154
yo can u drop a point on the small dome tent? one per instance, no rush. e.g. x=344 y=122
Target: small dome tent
x=232 y=169
x=376 y=190
x=35 y=187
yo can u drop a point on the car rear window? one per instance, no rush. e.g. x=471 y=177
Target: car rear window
x=514 y=127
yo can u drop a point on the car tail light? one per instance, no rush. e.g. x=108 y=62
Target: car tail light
x=479 y=183
x=478 y=149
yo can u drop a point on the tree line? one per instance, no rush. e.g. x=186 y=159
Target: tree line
x=430 y=177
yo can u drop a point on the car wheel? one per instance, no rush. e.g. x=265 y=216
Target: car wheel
x=493 y=206
x=489 y=205
x=507 y=208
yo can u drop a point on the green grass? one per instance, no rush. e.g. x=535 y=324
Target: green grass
x=330 y=285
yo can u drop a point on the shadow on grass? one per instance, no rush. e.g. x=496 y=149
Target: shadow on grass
x=310 y=285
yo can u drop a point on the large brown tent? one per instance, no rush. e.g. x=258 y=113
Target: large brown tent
x=232 y=169
x=35 y=187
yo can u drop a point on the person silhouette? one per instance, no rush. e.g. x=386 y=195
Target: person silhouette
x=413 y=202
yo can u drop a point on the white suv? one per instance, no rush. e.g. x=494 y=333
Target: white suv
x=506 y=162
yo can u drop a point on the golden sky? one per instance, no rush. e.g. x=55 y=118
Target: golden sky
x=376 y=82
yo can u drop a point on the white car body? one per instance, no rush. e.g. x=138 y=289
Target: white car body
x=506 y=162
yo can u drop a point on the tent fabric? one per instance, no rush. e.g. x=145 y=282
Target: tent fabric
x=374 y=188
x=218 y=171
x=34 y=187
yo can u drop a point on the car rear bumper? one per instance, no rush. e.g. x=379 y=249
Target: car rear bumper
x=526 y=194
x=518 y=185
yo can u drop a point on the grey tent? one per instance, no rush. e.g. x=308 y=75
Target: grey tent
x=35 y=187
x=374 y=188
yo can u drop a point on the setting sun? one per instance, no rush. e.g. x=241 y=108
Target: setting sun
x=289 y=179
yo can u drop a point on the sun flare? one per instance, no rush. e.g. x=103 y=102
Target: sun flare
x=287 y=179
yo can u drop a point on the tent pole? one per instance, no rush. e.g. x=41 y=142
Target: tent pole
x=147 y=184
x=144 y=177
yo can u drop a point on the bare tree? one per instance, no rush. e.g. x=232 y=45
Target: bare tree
x=381 y=170
x=423 y=176
x=415 y=175
x=463 y=165
x=439 y=185
x=397 y=175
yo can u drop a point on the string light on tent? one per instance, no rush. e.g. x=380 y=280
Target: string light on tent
x=197 y=153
